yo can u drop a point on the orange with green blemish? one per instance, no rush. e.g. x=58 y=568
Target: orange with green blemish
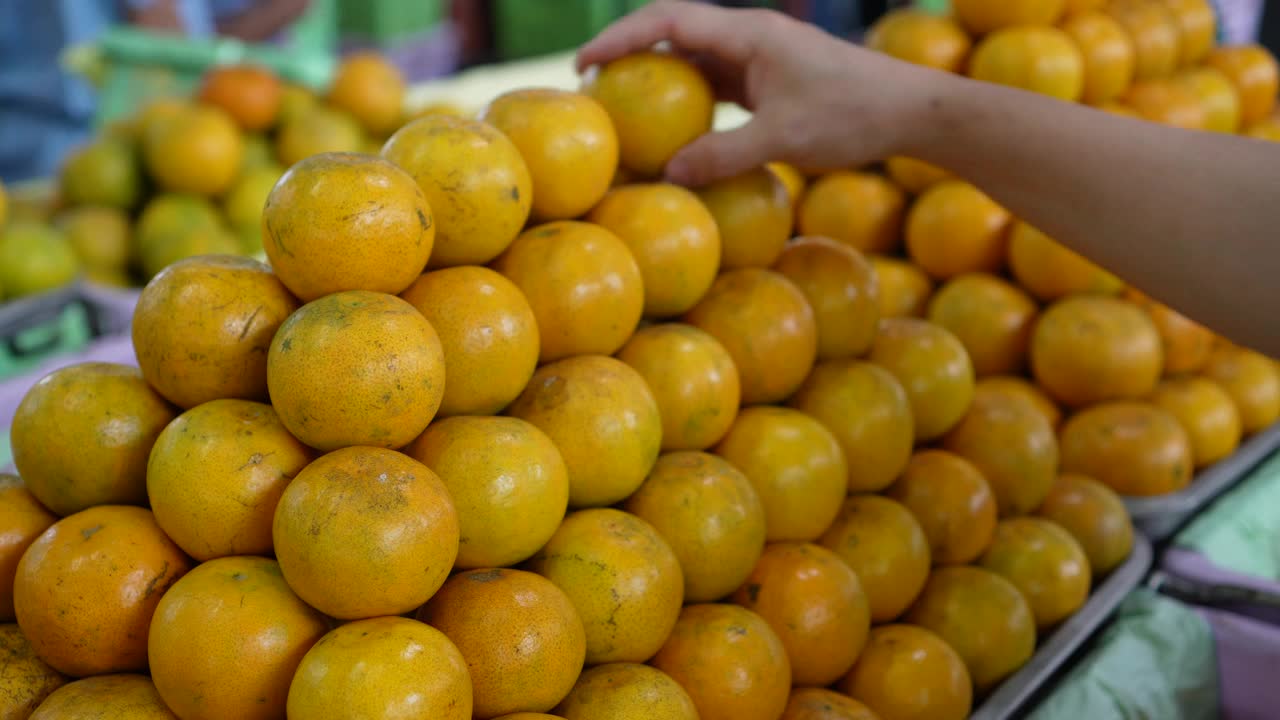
x=842 y=289
x=622 y=577
x=627 y=691
x=1090 y=349
x=886 y=547
x=583 y=284
x=22 y=520
x=603 y=418
x=202 y=328
x=823 y=704
x=108 y=697
x=488 y=333
x=991 y=317
x=216 y=474
x=1045 y=563
x=25 y=679
x=952 y=502
x=754 y=215
x=1135 y=448
x=507 y=481
x=307 y=131
x=363 y=532
x=198 y=149
x=81 y=436
x=520 y=635
x=1208 y=414
x=389 y=667
x=934 y=369
x=710 y=514
x=1025 y=389
x=693 y=380
x=86 y=589
x=475 y=181
x=1095 y=516
x=227 y=638
x=356 y=368
x=347 y=221
x=1253 y=382
x=908 y=673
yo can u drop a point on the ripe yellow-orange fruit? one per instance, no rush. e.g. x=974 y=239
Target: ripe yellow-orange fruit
x=251 y=95
x=841 y=287
x=388 y=667
x=583 y=285
x=1154 y=30
x=904 y=287
x=954 y=228
x=507 y=482
x=934 y=370
x=1168 y=102
x=623 y=578
x=658 y=103
x=488 y=334
x=1027 y=390
x=346 y=221
x=953 y=503
x=1089 y=349
x=1108 y=54
x=983 y=16
x=913 y=175
x=1050 y=271
x=1135 y=448
x=626 y=691
x=318 y=130
x=363 y=532
x=1045 y=563
x=860 y=209
x=474 y=180
x=1251 y=380
x=991 y=317
x=603 y=418
x=369 y=87
x=823 y=704
x=1039 y=59
x=1218 y=98
x=1197 y=29
x=673 y=237
x=216 y=474
x=1254 y=72
x=356 y=368
x=568 y=143
x=25 y=679
x=710 y=514
x=1095 y=516
x=794 y=180
x=22 y=520
x=108 y=697
x=908 y=673
x=1187 y=344
x=197 y=150
x=754 y=215
x=1208 y=414
x=923 y=38
x=886 y=547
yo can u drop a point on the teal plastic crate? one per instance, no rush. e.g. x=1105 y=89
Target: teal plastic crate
x=385 y=22
x=527 y=28
x=67 y=329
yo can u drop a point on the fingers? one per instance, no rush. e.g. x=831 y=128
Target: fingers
x=690 y=27
x=720 y=155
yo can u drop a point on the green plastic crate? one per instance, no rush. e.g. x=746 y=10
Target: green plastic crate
x=383 y=22
x=69 y=331
x=526 y=28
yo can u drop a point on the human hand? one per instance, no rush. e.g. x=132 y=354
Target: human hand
x=818 y=102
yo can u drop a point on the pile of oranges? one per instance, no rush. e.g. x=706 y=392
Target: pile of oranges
x=497 y=434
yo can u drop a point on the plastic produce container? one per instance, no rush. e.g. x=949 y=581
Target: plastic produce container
x=35 y=328
x=524 y=28
x=387 y=22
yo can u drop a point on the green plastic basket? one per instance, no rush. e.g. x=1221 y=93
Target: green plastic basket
x=385 y=22
x=526 y=28
x=70 y=330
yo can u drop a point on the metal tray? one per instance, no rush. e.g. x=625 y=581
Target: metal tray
x=1055 y=650
x=1160 y=517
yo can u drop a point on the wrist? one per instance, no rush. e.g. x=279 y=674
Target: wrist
x=937 y=108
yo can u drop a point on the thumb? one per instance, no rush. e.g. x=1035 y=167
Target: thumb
x=720 y=155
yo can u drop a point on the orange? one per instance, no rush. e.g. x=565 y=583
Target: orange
x=106 y=172
x=693 y=380
x=86 y=589
x=1090 y=349
x=730 y=662
x=869 y=413
x=768 y=327
x=1027 y=390
x=816 y=606
x=982 y=616
x=952 y=502
x=165 y=222
x=1168 y=102
x=915 y=176
x=990 y=317
x=507 y=481
x=476 y=183
x=823 y=704
x=710 y=514
x=658 y=103
x=1050 y=271
x=198 y=150
x=210 y=240
x=346 y=221
x=886 y=547
x=388 y=667
x=487 y=331
x=371 y=89
x=25 y=680
x=216 y=474
x=791 y=177
x=363 y=532
x=1009 y=439
x=583 y=285
x=317 y=130
x=1251 y=380
x=519 y=633
x=243 y=203
x=603 y=418
x=1153 y=27
x=796 y=466
x=1115 y=107
x=568 y=143
x=622 y=577
x=1136 y=448
x=1045 y=563
x=227 y=639
x=35 y=258
x=922 y=38
x=1095 y=516
x=81 y=436
x=1253 y=71
x=954 y=228
x=1267 y=129
x=904 y=287
x=673 y=237
x=841 y=287
x=627 y=691
x=754 y=215
x=250 y=95
x=860 y=209
x=109 y=697
x=22 y=520
x=908 y=673
x=1039 y=59
x=202 y=328
x=1186 y=343
x=1197 y=26
x=1108 y=54
x=983 y=16
x=367 y=369
x=100 y=236
x=1218 y=98
x=934 y=370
